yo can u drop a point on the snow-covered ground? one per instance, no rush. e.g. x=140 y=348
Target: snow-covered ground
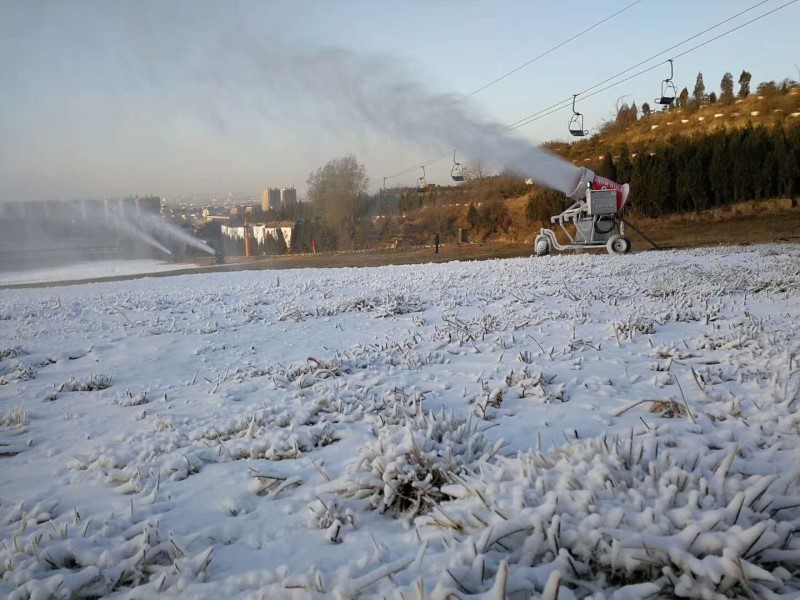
x=88 y=270
x=562 y=427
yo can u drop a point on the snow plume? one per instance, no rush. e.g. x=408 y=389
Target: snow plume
x=125 y=227
x=378 y=93
x=157 y=225
x=59 y=231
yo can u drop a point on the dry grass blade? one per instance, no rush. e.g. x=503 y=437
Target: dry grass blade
x=321 y=471
x=745 y=580
x=685 y=403
x=666 y=408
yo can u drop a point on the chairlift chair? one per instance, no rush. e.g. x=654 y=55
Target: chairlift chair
x=668 y=91
x=576 y=122
x=422 y=183
x=457 y=173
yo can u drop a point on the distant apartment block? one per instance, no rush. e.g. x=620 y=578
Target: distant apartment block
x=288 y=196
x=275 y=198
x=270 y=199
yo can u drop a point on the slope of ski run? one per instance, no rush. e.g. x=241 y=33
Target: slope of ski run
x=408 y=432
x=88 y=270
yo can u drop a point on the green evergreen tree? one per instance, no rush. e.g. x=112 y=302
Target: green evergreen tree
x=684 y=151
x=699 y=169
x=623 y=164
x=744 y=84
x=718 y=172
x=607 y=168
x=683 y=98
x=661 y=182
x=472 y=216
x=792 y=137
x=765 y=168
x=646 y=110
x=741 y=167
x=637 y=182
x=699 y=89
x=726 y=89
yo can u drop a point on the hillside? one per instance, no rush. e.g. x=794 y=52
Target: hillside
x=755 y=110
x=699 y=160
x=699 y=156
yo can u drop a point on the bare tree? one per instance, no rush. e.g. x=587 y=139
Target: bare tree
x=337 y=192
x=478 y=172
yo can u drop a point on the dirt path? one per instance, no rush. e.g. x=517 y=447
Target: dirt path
x=742 y=228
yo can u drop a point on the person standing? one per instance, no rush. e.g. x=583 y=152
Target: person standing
x=436 y=242
x=314 y=246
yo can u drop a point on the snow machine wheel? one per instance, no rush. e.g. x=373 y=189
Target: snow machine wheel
x=542 y=247
x=618 y=244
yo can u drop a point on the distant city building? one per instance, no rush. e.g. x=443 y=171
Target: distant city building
x=275 y=198
x=148 y=204
x=288 y=196
x=270 y=199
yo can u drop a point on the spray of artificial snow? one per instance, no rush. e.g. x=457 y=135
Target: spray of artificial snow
x=379 y=94
x=157 y=225
x=127 y=228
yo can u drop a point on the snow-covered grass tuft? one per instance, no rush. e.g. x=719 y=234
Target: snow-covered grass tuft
x=679 y=516
x=15 y=417
x=90 y=384
x=132 y=398
x=17 y=371
x=70 y=557
x=404 y=470
x=11 y=352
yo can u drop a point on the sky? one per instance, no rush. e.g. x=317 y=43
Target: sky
x=179 y=98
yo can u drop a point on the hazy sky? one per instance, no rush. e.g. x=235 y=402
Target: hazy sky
x=114 y=98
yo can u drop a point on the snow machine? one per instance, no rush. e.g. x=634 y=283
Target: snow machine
x=594 y=220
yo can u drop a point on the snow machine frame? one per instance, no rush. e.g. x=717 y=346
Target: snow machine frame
x=593 y=220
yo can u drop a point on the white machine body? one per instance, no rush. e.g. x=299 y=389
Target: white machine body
x=601 y=202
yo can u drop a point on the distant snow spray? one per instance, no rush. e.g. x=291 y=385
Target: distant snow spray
x=131 y=230
x=168 y=230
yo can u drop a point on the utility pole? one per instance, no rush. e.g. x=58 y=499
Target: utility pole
x=246 y=239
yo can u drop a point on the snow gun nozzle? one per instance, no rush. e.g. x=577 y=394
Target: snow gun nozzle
x=586 y=179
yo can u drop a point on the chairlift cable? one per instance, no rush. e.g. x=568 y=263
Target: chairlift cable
x=562 y=104
x=639 y=64
x=553 y=49
x=491 y=83
x=522 y=122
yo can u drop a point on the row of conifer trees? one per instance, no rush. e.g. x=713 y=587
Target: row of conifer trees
x=690 y=174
